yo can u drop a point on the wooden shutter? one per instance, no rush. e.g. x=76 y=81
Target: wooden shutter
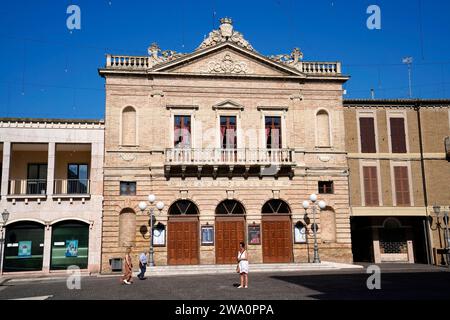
x=402 y=186
x=367 y=135
x=398 y=140
x=370 y=186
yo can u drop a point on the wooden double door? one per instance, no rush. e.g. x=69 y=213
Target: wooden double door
x=277 y=239
x=229 y=232
x=183 y=241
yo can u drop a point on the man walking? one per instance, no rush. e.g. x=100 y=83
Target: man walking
x=142 y=265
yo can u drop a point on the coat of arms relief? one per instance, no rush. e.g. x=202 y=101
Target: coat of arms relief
x=226 y=65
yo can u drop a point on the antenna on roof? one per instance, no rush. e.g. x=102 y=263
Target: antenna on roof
x=372 y=94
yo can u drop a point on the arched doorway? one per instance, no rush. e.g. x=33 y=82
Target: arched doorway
x=276 y=231
x=183 y=245
x=70 y=245
x=24 y=247
x=230 y=230
x=393 y=241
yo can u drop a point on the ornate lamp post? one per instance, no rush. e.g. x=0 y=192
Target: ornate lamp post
x=5 y=217
x=437 y=211
x=159 y=206
x=322 y=205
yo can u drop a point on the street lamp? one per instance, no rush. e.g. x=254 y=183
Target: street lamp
x=5 y=217
x=143 y=206
x=437 y=211
x=322 y=205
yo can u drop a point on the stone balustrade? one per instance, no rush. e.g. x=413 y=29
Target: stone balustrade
x=243 y=156
x=126 y=62
x=321 y=68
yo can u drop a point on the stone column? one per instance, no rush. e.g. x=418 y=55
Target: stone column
x=47 y=248
x=5 y=167
x=50 y=168
x=409 y=243
x=376 y=245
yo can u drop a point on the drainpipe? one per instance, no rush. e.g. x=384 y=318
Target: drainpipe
x=428 y=244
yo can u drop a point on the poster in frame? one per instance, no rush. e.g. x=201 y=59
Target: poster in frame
x=207 y=233
x=159 y=235
x=299 y=233
x=254 y=234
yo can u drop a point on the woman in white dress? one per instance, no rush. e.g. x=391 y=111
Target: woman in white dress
x=243 y=265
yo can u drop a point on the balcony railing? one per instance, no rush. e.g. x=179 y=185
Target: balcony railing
x=28 y=187
x=126 y=62
x=186 y=156
x=142 y=63
x=321 y=68
x=71 y=186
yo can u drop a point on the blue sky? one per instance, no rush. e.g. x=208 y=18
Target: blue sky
x=46 y=71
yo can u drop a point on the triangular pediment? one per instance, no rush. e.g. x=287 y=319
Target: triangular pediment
x=226 y=59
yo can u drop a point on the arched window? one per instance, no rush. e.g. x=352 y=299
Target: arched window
x=129 y=126
x=230 y=207
x=275 y=206
x=391 y=223
x=75 y=235
x=127 y=227
x=323 y=129
x=183 y=207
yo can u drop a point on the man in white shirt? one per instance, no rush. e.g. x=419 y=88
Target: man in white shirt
x=142 y=265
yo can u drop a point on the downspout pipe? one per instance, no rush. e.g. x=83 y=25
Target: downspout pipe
x=428 y=246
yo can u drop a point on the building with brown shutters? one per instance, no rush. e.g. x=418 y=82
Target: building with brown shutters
x=232 y=142
x=399 y=168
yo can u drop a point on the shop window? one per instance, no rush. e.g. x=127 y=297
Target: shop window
x=70 y=245
x=24 y=247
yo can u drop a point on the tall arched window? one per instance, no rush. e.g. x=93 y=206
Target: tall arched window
x=323 y=129
x=129 y=126
x=230 y=207
x=127 y=227
x=183 y=207
x=276 y=206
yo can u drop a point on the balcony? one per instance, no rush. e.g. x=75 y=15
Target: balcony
x=28 y=188
x=217 y=159
x=71 y=187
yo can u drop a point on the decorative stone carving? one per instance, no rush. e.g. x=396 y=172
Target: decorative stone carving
x=296 y=96
x=324 y=158
x=226 y=65
x=225 y=33
x=128 y=157
x=157 y=56
x=292 y=60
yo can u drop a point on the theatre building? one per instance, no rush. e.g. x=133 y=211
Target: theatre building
x=232 y=142
x=51 y=193
x=399 y=160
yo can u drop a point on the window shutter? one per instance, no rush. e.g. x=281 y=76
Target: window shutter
x=401 y=186
x=367 y=132
x=398 y=139
x=370 y=186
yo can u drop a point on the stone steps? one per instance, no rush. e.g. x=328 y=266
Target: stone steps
x=254 y=268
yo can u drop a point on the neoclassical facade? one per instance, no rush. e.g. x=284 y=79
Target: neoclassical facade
x=232 y=142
